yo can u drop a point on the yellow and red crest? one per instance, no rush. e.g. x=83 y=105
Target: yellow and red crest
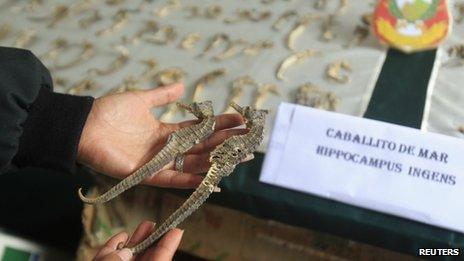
x=412 y=25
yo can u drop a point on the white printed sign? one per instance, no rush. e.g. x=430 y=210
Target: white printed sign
x=366 y=163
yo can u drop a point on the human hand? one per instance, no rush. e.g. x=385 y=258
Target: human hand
x=121 y=134
x=163 y=250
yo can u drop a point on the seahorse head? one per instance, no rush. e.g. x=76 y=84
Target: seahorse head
x=199 y=109
x=250 y=115
x=256 y=117
x=205 y=108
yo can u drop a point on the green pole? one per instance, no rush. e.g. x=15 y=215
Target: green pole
x=400 y=93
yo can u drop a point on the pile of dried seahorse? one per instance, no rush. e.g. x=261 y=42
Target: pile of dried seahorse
x=224 y=158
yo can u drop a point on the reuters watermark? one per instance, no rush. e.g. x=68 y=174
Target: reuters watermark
x=438 y=251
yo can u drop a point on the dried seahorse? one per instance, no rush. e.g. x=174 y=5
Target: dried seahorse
x=333 y=71
x=320 y=4
x=237 y=89
x=293 y=59
x=25 y=38
x=32 y=5
x=360 y=33
x=130 y=83
x=262 y=92
x=59 y=44
x=460 y=12
x=119 y=20
x=194 y=12
x=327 y=28
x=5 y=29
x=303 y=94
x=83 y=85
x=232 y=49
x=223 y=161
x=167 y=8
x=114 y=2
x=169 y=76
x=80 y=7
x=170 y=111
x=214 y=42
x=120 y=61
x=178 y=143
x=86 y=22
x=151 y=26
x=213 y=11
x=342 y=7
x=366 y=18
x=255 y=48
x=152 y=67
x=266 y=2
x=310 y=95
x=204 y=80
x=257 y=17
x=456 y=55
x=250 y=15
x=461 y=129
x=143 y=5
x=297 y=30
x=60 y=82
x=456 y=51
x=86 y=53
x=284 y=17
x=59 y=13
x=189 y=41
x=164 y=35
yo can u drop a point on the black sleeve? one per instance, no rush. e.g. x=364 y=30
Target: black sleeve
x=37 y=126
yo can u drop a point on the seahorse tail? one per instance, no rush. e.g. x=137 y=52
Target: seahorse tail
x=127 y=183
x=197 y=198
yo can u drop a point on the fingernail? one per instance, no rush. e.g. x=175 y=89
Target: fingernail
x=124 y=254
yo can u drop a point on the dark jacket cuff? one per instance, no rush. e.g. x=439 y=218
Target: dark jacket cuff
x=52 y=131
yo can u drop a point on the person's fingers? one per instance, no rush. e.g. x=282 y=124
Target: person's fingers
x=112 y=244
x=117 y=239
x=226 y=121
x=163 y=95
x=196 y=163
x=199 y=163
x=193 y=165
x=103 y=253
x=119 y=255
x=173 y=179
x=223 y=121
x=166 y=247
x=215 y=139
x=143 y=230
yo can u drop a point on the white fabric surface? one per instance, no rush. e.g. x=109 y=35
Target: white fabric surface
x=366 y=59
x=446 y=105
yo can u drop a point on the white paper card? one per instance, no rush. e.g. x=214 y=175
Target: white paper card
x=366 y=163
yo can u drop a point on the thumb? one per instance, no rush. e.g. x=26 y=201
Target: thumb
x=164 y=94
x=110 y=250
